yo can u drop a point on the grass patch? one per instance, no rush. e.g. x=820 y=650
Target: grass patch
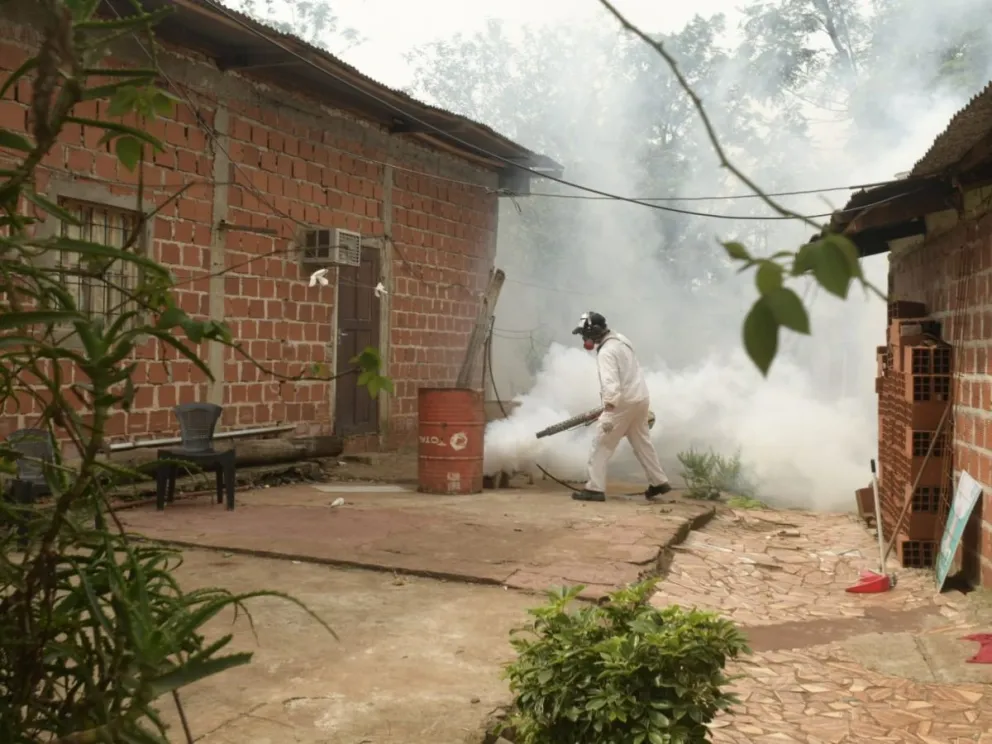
x=745 y=502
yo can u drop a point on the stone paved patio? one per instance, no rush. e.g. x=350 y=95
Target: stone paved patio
x=832 y=667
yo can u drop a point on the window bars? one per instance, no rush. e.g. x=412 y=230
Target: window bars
x=102 y=286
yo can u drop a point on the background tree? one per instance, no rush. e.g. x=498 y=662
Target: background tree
x=603 y=105
x=314 y=21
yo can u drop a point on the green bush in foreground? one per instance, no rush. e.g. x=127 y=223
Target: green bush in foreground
x=620 y=673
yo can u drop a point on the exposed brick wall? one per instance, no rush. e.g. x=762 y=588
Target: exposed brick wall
x=293 y=162
x=952 y=275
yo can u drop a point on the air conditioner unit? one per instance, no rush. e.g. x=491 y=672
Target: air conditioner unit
x=332 y=246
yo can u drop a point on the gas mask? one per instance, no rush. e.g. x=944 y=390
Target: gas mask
x=592 y=328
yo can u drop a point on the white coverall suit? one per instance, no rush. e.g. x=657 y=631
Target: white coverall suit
x=622 y=385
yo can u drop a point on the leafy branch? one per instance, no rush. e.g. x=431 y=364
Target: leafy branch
x=832 y=259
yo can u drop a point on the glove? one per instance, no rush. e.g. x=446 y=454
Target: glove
x=606 y=424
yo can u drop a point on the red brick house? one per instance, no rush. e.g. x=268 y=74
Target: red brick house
x=936 y=226
x=287 y=153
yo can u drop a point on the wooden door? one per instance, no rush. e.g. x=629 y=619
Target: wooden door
x=358 y=328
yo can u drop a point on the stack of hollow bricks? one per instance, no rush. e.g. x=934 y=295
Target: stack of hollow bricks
x=292 y=163
x=914 y=389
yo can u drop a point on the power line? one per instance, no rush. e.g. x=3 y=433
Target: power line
x=597 y=194
x=737 y=217
x=593 y=194
x=235 y=17
x=728 y=197
x=540 y=174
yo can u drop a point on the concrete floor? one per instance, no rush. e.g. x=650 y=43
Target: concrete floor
x=523 y=539
x=417 y=660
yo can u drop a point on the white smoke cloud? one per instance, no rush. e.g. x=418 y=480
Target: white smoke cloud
x=809 y=430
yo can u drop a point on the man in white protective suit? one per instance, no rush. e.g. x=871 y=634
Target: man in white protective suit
x=626 y=404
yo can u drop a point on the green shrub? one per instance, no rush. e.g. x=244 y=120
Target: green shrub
x=708 y=475
x=620 y=673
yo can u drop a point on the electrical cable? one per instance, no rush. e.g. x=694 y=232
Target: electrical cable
x=458 y=182
x=728 y=197
x=250 y=27
x=597 y=194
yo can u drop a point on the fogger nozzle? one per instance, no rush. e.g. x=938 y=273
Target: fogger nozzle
x=583 y=419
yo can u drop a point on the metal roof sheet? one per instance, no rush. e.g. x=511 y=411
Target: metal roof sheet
x=200 y=25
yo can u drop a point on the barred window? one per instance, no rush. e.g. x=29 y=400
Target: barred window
x=99 y=289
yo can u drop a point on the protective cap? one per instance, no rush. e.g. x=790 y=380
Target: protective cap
x=590 y=324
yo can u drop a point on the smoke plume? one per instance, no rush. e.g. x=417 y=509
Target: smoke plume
x=808 y=431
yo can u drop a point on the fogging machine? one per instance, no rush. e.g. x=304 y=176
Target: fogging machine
x=583 y=419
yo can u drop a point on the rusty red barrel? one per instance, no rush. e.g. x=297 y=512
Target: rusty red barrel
x=452 y=426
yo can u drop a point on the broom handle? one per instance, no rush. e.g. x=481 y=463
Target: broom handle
x=878 y=519
x=916 y=483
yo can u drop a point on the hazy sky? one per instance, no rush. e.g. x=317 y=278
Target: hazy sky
x=394 y=27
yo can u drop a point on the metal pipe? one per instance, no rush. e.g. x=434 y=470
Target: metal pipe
x=232 y=434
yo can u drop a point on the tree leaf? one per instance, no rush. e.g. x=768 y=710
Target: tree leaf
x=761 y=335
x=50 y=207
x=805 y=259
x=193 y=329
x=129 y=152
x=17 y=74
x=736 y=251
x=14 y=141
x=18 y=320
x=850 y=251
x=119 y=129
x=768 y=277
x=167 y=338
x=171 y=317
x=832 y=269
x=373 y=387
x=194 y=670
x=116 y=91
x=99 y=250
x=788 y=310
x=163 y=103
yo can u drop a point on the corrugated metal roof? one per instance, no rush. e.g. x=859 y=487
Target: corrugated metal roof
x=199 y=24
x=965 y=129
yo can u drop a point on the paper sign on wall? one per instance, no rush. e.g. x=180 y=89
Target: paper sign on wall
x=965 y=497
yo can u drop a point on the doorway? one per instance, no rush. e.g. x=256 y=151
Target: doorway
x=355 y=412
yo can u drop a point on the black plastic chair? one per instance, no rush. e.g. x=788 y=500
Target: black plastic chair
x=38 y=448
x=197 y=422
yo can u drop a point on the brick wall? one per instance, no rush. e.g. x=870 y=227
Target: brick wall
x=952 y=275
x=292 y=162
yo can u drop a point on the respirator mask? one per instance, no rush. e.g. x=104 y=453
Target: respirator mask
x=592 y=328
